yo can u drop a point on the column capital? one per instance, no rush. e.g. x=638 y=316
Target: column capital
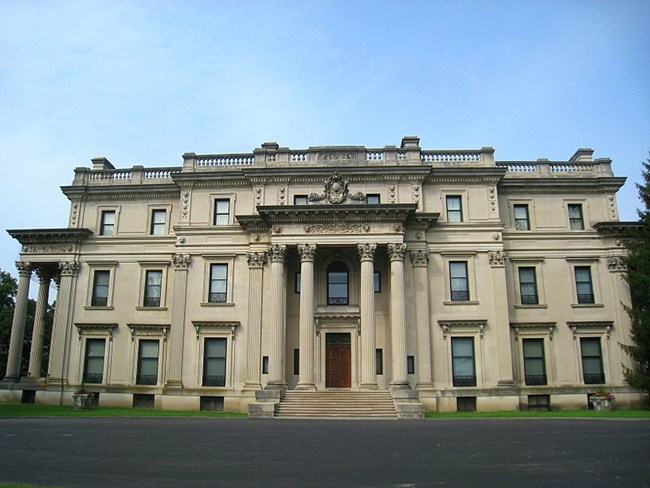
x=24 y=269
x=181 y=261
x=307 y=252
x=366 y=251
x=419 y=257
x=256 y=259
x=69 y=268
x=277 y=253
x=396 y=252
x=45 y=275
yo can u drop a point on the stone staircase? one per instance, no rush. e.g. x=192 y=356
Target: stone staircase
x=354 y=404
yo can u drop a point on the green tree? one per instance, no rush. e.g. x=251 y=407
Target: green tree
x=638 y=277
x=8 y=287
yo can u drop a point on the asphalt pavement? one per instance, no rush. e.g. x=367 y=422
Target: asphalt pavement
x=240 y=452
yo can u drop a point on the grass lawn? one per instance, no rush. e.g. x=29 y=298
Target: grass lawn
x=22 y=410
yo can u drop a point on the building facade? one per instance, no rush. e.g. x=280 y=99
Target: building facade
x=455 y=281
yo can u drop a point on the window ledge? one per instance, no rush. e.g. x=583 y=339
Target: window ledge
x=154 y=309
x=109 y=307
x=217 y=304
x=460 y=302
x=587 y=305
x=531 y=305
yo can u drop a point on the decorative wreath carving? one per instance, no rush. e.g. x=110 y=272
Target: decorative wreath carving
x=336 y=191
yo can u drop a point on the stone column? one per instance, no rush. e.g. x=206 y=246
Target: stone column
x=181 y=263
x=18 y=325
x=396 y=253
x=420 y=260
x=61 y=335
x=36 y=353
x=307 y=253
x=277 y=255
x=367 y=305
x=256 y=262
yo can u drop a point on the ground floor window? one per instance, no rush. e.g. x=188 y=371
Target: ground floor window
x=534 y=367
x=592 y=361
x=462 y=353
x=214 y=362
x=94 y=361
x=147 y=362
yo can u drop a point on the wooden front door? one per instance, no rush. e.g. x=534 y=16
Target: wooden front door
x=339 y=363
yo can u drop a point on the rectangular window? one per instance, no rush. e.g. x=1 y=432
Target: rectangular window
x=147 y=362
x=107 y=224
x=462 y=353
x=534 y=364
x=101 y=282
x=152 y=288
x=296 y=361
x=379 y=361
x=454 y=208
x=576 y=221
x=410 y=364
x=300 y=199
x=584 y=286
x=528 y=286
x=158 y=222
x=214 y=362
x=377 y=281
x=218 y=283
x=592 y=361
x=94 y=361
x=222 y=211
x=458 y=280
x=296 y=286
x=373 y=198
x=265 y=365
x=522 y=221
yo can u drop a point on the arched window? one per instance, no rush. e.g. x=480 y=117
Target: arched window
x=337 y=284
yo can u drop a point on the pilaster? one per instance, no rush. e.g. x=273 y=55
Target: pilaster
x=181 y=264
x=420 y=261
x=256 y=261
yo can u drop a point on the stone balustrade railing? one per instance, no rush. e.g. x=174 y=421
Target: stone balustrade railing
x=225 y=160
x=137 y=175
x=550 y=168
x=451 y=156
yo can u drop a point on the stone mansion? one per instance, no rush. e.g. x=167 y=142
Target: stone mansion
x=442 y=280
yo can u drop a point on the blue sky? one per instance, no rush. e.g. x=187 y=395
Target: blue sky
x=142 y=82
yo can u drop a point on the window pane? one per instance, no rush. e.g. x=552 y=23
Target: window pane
x=528 y=285
x=158 y=218
x=148 y=363
x=454 y=209
x=300 y=200
x=107 y=227
x=218 y=283
x=372 y=198
x=592 y=361
x=584 y=287
x=214 y=363
x=94 y=364
x=153 y=289
x=221 y=212
x=337 y=284
x=100 y=288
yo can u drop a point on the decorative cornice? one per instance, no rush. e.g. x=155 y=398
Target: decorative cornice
x=94 y=327
x=285 y=214
x=604 y=325
x=618 y=229
x=148 y=330
x=535 y=327
x=49 y=236
x=337 y=228
x=448 y=325
x=230 y=326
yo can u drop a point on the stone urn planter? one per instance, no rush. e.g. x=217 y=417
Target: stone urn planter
x=602 y=402
x=82 y=401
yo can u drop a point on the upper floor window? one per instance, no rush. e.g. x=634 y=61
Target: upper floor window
x=592 y=361
x=218 y=283
x=94 y=361
x=153 y=288
x=222 y=211
x=534 y=363
x=454 y=208
x=528 y=286
x=158 y=222
x=576 y=221
x=377 y=281
x=300 y=199
x=373 y=198
x=459 y=283
x=337 y=284
x=462 y=354
x=101 y=284
x=584 y=286
x=522 y=221
x=147 y=362
x=107 y=223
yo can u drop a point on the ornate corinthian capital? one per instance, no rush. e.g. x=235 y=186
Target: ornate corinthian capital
x=307 y=252
x=419 y=257
x=181 y=261
x=366 y=251
x=256 y=259
x=24 y=269
x=69 y=268
x=277 y=253
x=396 y=252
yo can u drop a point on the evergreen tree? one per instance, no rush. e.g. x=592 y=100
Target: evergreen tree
x=638 y=277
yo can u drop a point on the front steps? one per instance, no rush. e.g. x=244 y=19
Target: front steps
x=376 y=404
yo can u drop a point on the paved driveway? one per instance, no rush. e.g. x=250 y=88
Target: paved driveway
x=175 y=452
